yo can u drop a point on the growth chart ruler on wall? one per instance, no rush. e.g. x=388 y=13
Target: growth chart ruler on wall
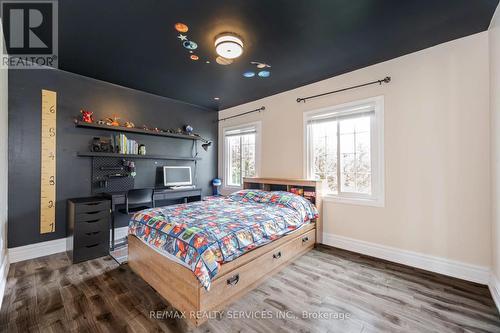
x=48 y=163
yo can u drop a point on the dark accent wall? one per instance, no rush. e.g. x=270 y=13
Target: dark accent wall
x=76 y=92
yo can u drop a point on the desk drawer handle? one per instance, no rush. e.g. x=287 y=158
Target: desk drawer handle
x=92 y=233
x=305 y=239
x=92 y=213
x=92 y=221
x=233 y=280
x=93 y=245
x=277 y=255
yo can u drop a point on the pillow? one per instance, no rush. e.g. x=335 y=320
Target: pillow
x=306 y=209
x=247 y=195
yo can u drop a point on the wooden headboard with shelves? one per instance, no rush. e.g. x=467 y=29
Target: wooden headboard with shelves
x=309 y=189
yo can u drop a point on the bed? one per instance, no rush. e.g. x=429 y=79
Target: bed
x=202 y=256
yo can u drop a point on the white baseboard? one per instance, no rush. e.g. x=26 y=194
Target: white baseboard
x=4 y=271
x=42 y=249
x=36 y=250
x=457 y=269
x=494 y=287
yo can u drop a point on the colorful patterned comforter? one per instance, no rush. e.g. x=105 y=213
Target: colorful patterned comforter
x=203 y=235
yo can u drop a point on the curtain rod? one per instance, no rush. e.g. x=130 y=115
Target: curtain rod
x=262 y=108
x=387 y=79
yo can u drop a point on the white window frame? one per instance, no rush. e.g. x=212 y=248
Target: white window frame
x=225 y=153
x=377 y=198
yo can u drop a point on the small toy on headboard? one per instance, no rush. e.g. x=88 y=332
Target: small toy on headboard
x=87 y=116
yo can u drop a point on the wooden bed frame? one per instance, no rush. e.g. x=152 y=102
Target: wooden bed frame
x=180 y=287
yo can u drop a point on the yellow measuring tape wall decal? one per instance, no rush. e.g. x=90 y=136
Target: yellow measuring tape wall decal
x=48 y=163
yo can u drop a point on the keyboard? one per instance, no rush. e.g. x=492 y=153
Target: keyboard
x=183 y=187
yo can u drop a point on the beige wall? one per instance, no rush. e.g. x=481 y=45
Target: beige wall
x=3 y=170
x=437 y=165
x=494 y=35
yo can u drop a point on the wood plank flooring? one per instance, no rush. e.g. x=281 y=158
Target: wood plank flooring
x=349 y=292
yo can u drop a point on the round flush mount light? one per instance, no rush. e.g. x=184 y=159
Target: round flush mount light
x=228 y=45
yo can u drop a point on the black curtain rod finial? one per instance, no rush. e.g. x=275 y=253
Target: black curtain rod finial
x=387 y=79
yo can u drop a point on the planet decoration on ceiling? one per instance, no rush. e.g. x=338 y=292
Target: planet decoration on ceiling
x=260 y=65
x=264 y=74
x=223 y=61
x=190 y=45
x=181 y=27
x=261 y=73
x=249 y=74
x=186 y=43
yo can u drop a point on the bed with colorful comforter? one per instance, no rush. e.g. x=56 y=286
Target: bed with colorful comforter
x=203 y=235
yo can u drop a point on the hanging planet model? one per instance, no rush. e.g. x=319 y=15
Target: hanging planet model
x=223 y=61
x=190 y=45
x=264 y=74
x=181 y=27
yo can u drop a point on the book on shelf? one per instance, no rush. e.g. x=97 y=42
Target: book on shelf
x=125 y=145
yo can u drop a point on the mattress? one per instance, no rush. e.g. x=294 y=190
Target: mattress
x=203 y=235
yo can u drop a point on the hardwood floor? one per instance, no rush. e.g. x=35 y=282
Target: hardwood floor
x=51 y=295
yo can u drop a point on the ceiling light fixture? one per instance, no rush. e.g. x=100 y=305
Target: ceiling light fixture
x=228 y=45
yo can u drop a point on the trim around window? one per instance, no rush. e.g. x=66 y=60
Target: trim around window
x=377 y=198
x=223 y=131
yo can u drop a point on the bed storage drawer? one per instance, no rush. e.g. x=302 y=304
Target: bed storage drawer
x=225 y=287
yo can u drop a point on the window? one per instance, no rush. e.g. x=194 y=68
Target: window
x=241 y=148
x=344 y=147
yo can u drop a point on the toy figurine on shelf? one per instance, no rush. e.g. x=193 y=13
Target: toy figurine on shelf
x=87 y=116
x=142 y=149
x=129 y=124
x=112 y=121
x=188 y=129
x=101 y=122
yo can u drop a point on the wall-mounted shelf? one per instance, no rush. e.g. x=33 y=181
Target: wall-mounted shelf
x=132 y=156
x=82 y=124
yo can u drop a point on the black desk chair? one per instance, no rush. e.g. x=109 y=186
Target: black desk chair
x=140 y=199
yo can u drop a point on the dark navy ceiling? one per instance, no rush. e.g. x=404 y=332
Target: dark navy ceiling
x=134 y=44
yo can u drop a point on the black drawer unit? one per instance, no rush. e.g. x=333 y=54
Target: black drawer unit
x=88 y=228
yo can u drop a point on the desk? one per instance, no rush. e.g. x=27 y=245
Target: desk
x=118 y=198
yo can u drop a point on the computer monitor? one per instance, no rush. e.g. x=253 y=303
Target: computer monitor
x=177 y=176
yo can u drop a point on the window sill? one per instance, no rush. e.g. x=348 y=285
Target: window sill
x=354 y=201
